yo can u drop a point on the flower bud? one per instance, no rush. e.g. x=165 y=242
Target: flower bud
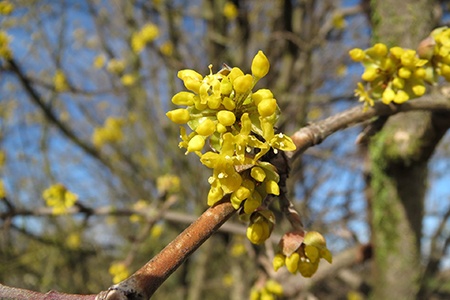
x=258 y=174
x=225 y=86
x=398 y=82
x=307 y=269
x=196 y=143
x=179 y=116
x=183 y=74
x=272 y=188
x=278 y=261
x=183 y=98
x=206 y=128
x=426 y=48
x=228 y=103
x=292 y=262
x=267 y=107
x=226 y=118
x=419 y=89
x=235 y=73
x=214 y=195
x=243 y=84
x=258 y=232
x=370 y=74
x=401 y=97
x=396 y=52
x=404 y=73
x=260 y=65
x=260 y=95
x=357 y=54
x=388 y=95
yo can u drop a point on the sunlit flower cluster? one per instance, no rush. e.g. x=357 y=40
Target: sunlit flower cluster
x=392 y=75
x=397 y=74
x=269 y=291
x=110 y=132
x=118 y=271
x=230 y=11
x=437 y=50
x=147 y=34
x=60 y=81
x=301 y=252
x=168 y=184
x=59 y=198
x=6 y=7
x=237 y=127
x=5 y=51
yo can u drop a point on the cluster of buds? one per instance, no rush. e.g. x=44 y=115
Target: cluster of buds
x=269 y=291
x=236 y=125
x=301 y=252
x=398 y=74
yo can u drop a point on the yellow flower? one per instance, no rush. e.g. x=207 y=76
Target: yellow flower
x=6 y=8
x=226 y=118
x=60 y=81
x=99 y=62
x=156 y=231
x=260 y=65
x=168 y=184
x=149 y=32
x=59 y=198
x=2 y=189
x=137 y=42
x=110 y=132
x=73 y=241
x=338 y=21
x=116 y=66
x=5 y=51
x=230 y=10
x=166 y=48
x=128 y=79
x=118 y=271
x=179 y=116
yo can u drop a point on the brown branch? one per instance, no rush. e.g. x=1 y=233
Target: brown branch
x=7 y=292
x=143 y=283
x=315 y=133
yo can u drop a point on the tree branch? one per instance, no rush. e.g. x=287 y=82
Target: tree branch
x=315 y=133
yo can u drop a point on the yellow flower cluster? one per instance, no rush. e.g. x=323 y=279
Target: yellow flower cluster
x=111 y=132
x=147 y=34
x=238 y=125
x=398 y=74
x=2 y=189
x=393 y=75
x=5 y=51
x=60 y=81
x=437 y=50
x=230 y=11
x=168 y=184
x=303 y=256
x=60 y=198
x=118 y=271
x=269 y=291
x=116 y=66
x=6 y=7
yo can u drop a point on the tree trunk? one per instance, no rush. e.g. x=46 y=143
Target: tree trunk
x=399 y=156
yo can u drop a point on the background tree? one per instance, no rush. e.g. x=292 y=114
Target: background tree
x=85 y=87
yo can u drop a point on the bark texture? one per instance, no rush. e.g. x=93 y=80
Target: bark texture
x=399 y=156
